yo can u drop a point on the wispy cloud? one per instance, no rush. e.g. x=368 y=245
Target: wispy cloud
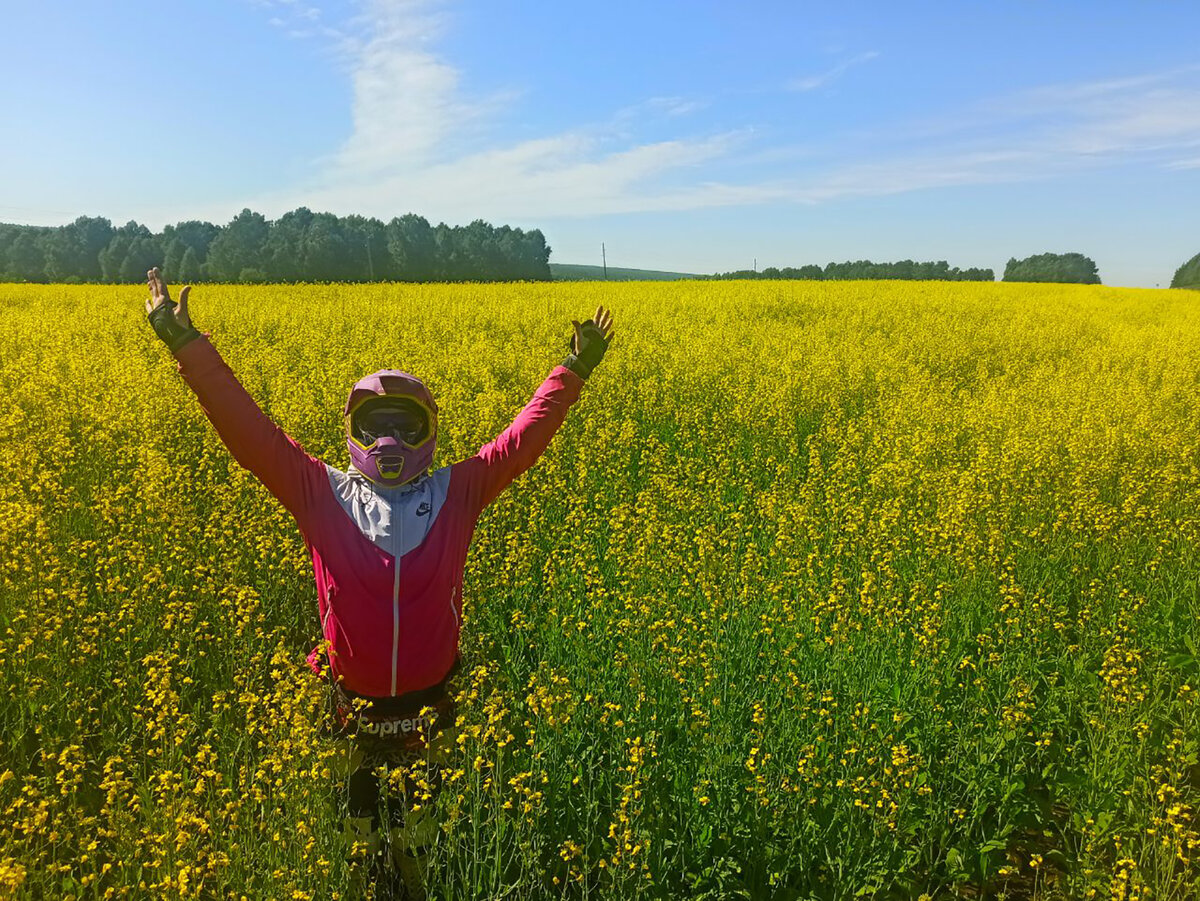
x=571 y=174
x=675 y=106
x=812 y=82
x=411 y=142
x=299 y=20
x=1054 y=131
x=418 y=143
x=406 y=101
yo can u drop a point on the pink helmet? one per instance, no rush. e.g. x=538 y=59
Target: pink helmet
x=388 y=460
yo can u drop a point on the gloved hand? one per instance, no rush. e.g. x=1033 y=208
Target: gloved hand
x=590 y=341
x=171 y=323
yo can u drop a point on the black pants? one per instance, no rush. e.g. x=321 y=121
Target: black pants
x=408 y=752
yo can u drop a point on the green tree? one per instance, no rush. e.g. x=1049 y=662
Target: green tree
x=1053 y=267
x=366 y=257
x=113 y=257
x=144 y=254
x=1188 y=275
x=412 y=248
x=189 y=267
x=284 y=250
x=323 y=256
x=173 y=257
x=73 y=251
x=191 y=235
x=26 y=261
x=239 y=246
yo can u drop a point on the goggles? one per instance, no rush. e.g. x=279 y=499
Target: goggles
x=405 y=421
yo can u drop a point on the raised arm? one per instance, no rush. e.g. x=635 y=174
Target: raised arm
x=518 y=447
x=259 y=445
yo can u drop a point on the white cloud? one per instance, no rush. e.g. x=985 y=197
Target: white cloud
x=812 y=82
x=675 y=106
x=1047 y=132
x=1052 y=98
x=405 y=98
x=419 y=144
x=410 y=145
x=570 y=174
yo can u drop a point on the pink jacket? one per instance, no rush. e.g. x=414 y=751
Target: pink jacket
x=388 y=562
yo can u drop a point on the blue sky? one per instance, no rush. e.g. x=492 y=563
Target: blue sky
x=688 y=136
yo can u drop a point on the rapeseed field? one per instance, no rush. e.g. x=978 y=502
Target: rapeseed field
x=876 y=589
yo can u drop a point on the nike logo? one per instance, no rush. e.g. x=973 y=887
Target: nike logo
x=423 y=509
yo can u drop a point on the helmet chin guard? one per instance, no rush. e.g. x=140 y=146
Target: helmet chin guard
x=388 y=461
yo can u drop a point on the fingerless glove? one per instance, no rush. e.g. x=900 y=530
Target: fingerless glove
x=168 y=328
x=587 y=356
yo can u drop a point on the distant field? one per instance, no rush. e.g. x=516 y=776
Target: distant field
x=573 y=272
x=824 y=590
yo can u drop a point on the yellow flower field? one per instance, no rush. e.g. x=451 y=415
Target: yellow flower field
x=824 y=589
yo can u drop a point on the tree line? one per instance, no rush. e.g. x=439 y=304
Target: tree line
x=298 y=246
x=1043 y=267
x=1053 y=267
x=865 y=269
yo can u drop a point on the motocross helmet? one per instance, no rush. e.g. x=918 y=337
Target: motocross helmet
x=391 y=427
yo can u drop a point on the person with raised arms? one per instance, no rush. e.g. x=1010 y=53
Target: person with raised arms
x=388 y=537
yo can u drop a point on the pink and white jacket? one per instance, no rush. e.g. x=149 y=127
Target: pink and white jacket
x=388 y=562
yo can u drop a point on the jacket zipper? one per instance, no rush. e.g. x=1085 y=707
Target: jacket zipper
x=396 y=607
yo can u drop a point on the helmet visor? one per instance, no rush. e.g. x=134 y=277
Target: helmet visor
x=399 y=418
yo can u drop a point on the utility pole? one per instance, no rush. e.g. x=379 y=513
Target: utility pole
x=604 y=260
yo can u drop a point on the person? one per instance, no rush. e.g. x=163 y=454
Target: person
x=388 y=537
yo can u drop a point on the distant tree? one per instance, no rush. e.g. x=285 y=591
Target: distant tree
x=283 y=252
x=474 y=250
x=239 y=246
x=73 y=251
x=449 y=258
x=536 y=256
x=978 y=275
x=173 y=254
x=1053 y=267
x=115 y=259
x=323 y=256
x=189 y=267
x=513 y=258
x=8 y=234
x=143 y=254
x=1188 y=275
x=412 y=248
x=26 y=261
x=178 y=239
x=366 y=256
x=195 y=234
